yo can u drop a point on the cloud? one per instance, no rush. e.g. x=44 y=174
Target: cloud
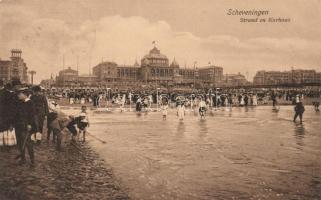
x=45 y=41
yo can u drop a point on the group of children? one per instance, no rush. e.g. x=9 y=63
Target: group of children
x=180 y=105
x=78 y=125
x=75 y=125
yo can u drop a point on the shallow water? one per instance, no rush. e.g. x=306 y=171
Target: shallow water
x=249 y=153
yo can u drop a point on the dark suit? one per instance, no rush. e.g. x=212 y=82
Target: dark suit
x=8 y=109
x=41 y=109
x=299 y=110
x=25 y=117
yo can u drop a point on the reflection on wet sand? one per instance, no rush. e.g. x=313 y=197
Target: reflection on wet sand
x=299 y=132
x=245 y=154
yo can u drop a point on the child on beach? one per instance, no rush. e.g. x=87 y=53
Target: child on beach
x=164 y=109
x=202 y=108
x=83 y=122
x=56 y=126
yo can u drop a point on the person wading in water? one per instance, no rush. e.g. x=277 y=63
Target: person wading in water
x=299 y=110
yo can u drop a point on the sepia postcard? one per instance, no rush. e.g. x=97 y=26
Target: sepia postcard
x=160 y=99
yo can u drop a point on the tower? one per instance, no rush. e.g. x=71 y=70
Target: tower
x=16 y=54
x=32 y=73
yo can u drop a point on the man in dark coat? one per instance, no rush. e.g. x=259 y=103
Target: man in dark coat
x=246 y=100
x=8 y=106
x=299 y=110
x=25 y=125
x=41 y=108
x=274 y=101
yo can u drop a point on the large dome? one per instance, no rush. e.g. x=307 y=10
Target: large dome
x=155 y=54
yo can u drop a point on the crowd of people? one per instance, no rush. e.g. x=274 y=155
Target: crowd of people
x=142 y=100
x=25 y=109
x=213 y=97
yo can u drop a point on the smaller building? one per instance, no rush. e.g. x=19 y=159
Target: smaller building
x=303 y=76
x=297 y=76
x=106 y=71
x=85 y=80
x=234 y=80
x=15 y=68
x=67 y=77
x=211 y=75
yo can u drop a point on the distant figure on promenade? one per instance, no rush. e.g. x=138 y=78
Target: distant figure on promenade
x=139 y=105
x=299 y=110
x=246 y=100
x=230 y=101
x=274 y=101
x=242 y=102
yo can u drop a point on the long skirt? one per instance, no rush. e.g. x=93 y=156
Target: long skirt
x=82 y=101
x=181 y=114
x=8 y=138
x=71 y=101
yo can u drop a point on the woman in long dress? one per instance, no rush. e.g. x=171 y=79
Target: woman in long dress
x=122 y=103
x=242 y=101
x=202 y=108
x=181 y=111
x=164 y=109
x=254 y=99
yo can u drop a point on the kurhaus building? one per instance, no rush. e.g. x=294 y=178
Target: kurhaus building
x=155 y=69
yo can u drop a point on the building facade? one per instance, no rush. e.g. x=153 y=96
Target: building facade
x=15 y=68
x=67 y=77
x=155 y=69
x=297 y=76
x=233 y=80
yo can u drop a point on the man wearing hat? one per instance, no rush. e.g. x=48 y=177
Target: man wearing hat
x=41 y=108
x=299 y=110
x=25 y=124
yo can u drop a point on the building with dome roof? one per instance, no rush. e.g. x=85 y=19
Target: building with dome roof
x=155 y=58
x=156 y=70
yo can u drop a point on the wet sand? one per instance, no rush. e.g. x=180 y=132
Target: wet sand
x=246 y=153
x=70 y=174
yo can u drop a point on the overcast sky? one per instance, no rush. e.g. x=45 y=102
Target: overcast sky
x=189 y=30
